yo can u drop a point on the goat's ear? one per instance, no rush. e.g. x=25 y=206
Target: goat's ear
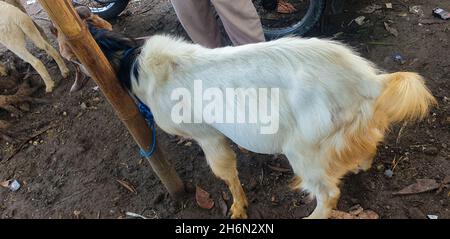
x=162 y=66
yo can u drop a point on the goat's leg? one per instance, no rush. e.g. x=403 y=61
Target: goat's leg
x=222 y=161
x=317 y=180
x=3 y=71
x=15 y=42
x=33 y=33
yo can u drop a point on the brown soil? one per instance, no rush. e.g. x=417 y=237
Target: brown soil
x=70 y=169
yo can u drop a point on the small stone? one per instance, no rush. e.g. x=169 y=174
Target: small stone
x=64 y=113
x=389 y=173
x=83 y=106
x=380 y=167
x=77 y=213
x=432 y=216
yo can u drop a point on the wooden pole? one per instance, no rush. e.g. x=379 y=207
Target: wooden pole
x=62 y=13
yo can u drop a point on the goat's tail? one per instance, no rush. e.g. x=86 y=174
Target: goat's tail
x=404 y=97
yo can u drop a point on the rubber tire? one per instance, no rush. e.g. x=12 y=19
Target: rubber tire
x=118 y=7
x=301 y=28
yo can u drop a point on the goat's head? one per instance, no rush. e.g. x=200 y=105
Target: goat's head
x=120 y=50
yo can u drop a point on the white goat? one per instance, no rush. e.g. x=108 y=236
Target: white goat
x=14 y=26
x=334 y=106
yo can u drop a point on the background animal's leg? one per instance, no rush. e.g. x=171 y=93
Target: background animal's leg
x=15 y=42
x=3 y=71
x=32 y=32
x=19 y=5
x=222 y=161
x=318 y=180
x=80 y=79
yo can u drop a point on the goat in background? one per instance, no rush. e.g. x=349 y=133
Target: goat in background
x=14 y=26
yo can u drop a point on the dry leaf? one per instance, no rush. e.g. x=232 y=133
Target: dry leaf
x=5 y=184
x=422 y=185
x=127 y=185
x=358 y=213
x=391 y=30
x=203 y=198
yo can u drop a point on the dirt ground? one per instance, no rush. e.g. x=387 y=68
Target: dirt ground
x=70 y=169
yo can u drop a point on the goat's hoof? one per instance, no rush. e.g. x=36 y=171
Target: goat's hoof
x=65 y=73
x=49 y=88
x=238 y=212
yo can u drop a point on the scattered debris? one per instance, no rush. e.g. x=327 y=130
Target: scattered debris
x=96 y=88
x=135 y=215
x=390 y=29
x=127 y=185
x=357 y=213
x=421 y=186
x=12 y=184
x=22 y=95
x=360 y=20
x=389 y=173
x=83 y=106
x=399 y=58
x=371 y=8
x=416 y=10
x=402 y=14
x=441 y=13
x=284 y=7
x=203 y=198
x=188 y=144
x=432 y=216
x=77 y=214
x=389 y=5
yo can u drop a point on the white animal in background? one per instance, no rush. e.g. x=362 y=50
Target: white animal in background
x=14 y=26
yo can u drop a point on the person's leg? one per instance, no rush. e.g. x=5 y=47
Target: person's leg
x=241 y=21
x=198 y=19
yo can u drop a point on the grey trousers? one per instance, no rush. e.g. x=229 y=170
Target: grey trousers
x=239 y=17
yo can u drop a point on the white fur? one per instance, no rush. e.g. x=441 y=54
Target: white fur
x=324 y=86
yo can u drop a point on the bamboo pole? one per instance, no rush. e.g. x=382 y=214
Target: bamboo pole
x=62 y=13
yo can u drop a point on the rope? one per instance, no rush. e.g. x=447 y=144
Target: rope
x=148 y=116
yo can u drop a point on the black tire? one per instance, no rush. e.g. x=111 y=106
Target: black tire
x=114 y=10
x=310 y=19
